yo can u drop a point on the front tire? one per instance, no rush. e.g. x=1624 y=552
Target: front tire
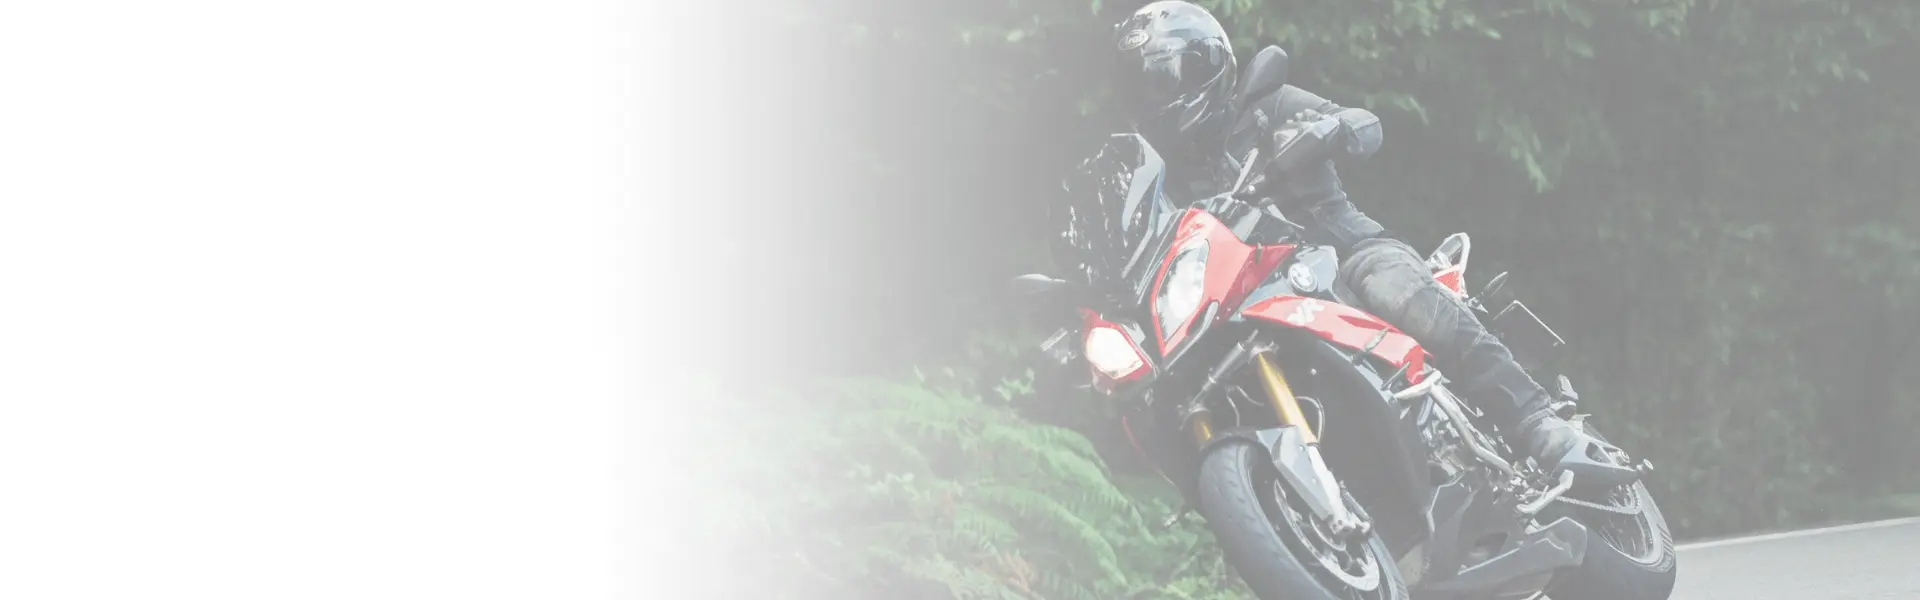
x=1247 y=506
x=1629 y=557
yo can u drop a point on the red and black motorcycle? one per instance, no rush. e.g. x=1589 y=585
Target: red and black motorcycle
x=1326 y=454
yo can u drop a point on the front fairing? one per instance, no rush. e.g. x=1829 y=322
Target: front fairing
x=1124 y=233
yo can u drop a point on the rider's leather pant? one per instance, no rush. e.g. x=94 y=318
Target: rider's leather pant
x=1393 y=282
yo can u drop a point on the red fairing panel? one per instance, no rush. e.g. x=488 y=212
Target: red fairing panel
x=1453 y=278
x=1265 y=260
x=1346 y=326
x=1233 y=269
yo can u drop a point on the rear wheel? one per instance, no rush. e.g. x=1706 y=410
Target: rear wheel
x=1276 y=546
x=1629 y=548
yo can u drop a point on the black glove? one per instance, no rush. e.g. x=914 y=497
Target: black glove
x=1309 y=138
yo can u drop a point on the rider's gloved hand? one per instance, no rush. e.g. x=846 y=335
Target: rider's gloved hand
x=1309 y=138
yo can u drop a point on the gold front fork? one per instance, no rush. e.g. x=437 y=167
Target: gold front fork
x=1285 y=406
x=1200 y=424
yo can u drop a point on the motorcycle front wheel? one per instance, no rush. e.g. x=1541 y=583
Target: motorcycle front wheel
x=1275 y=544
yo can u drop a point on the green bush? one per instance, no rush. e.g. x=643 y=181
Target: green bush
x=916 y=488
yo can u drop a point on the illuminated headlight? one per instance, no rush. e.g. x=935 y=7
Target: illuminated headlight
x=1109 y=351
x=1183 y=288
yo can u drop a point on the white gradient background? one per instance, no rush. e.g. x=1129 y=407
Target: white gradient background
x=330 y=299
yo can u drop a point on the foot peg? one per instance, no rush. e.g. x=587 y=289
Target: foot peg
x=1559 y=488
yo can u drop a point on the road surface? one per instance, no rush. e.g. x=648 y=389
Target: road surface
x=1870 y=561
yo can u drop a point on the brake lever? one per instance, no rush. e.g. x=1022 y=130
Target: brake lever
x=1246 y=168
x=1272 y=211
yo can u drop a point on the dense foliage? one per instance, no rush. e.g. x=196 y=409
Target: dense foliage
x=1708 y=198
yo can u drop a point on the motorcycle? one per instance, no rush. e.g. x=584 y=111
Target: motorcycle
x=1327 y=456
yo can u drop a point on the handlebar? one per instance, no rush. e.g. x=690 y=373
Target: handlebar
x=1291 y=142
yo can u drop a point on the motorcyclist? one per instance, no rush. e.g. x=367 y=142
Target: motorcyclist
x=1178 y=82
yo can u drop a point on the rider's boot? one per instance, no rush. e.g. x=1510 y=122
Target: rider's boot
x=1524 y=411
x=1557 y=444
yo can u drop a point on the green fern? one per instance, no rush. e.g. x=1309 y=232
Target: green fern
x=1048 y=515
x=923 y=488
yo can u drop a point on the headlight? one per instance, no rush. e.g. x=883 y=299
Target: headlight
x=1109 y=351
x=1184 y=286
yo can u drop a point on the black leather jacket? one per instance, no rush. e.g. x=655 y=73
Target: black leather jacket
x=1310 y=192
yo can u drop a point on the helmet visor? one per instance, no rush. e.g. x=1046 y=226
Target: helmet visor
x=1163 y=89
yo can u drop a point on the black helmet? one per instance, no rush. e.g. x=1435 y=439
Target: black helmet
x=1175 y=75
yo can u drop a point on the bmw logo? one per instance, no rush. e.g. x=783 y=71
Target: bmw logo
x=1300 y=276
x=1134 y=39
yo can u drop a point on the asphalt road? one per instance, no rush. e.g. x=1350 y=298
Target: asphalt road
x=1870 y=561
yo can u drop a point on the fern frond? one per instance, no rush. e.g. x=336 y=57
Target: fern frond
x=1037 y=447
x=1065 y=438
x=981 y=531
x=1056 y=586
x=1048 y=515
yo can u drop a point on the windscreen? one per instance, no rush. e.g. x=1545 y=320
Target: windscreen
x=1115 y=201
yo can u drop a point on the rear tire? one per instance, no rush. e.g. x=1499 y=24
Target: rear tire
x=1641 y=568
x=1236 y=497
